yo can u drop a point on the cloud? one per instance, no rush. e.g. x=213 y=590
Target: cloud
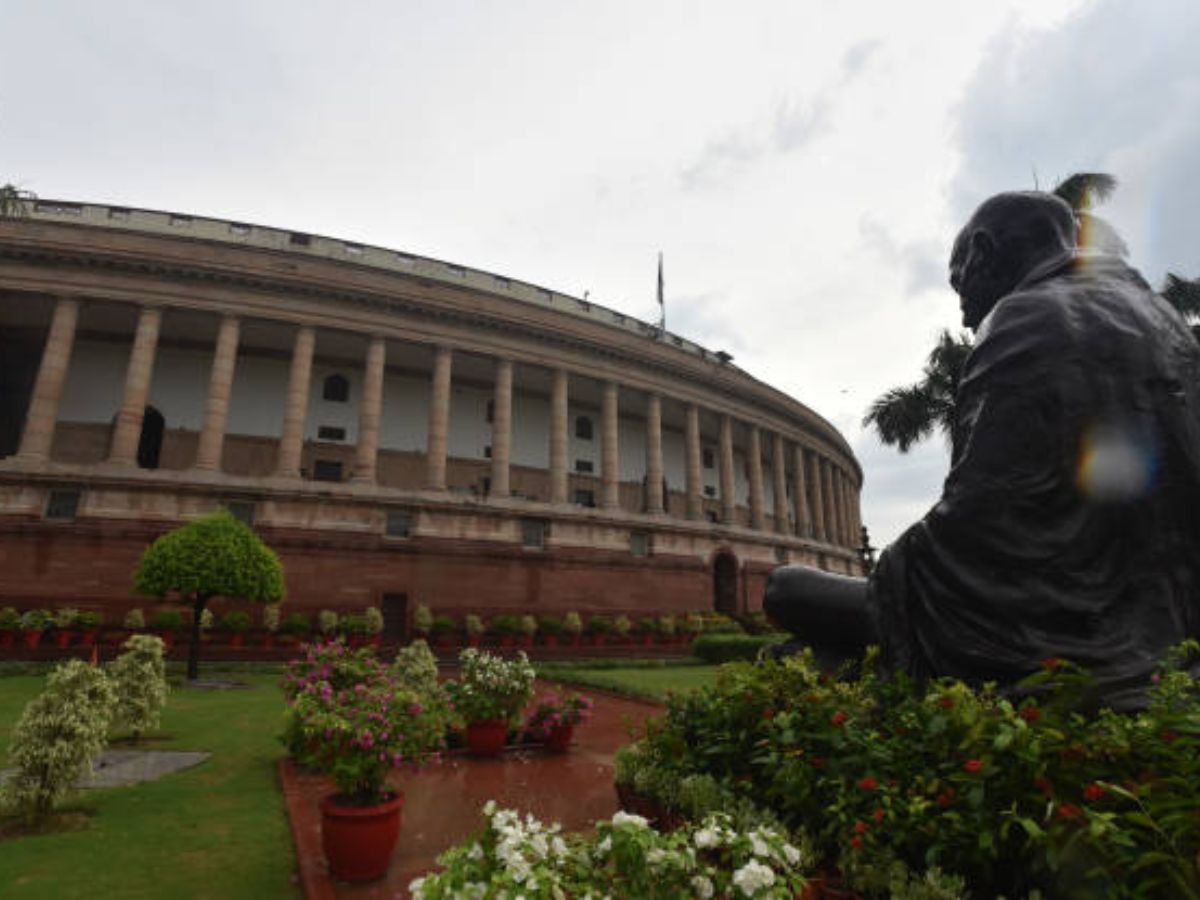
x=898 y=488
x=857 y=57
x=921 y=262
x=1115 y=88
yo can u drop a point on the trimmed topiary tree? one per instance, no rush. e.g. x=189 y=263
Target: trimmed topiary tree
x=216 y=556
x=140 y=679
x=58 y=735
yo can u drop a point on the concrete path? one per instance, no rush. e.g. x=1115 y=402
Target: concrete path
x=118 y=768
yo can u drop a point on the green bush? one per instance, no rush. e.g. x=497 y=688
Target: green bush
x=423 y=619
x=550 y=625
x=473 y=625
x=416 y=669
x=327 y=622
x=353 y=625
x=599 y=625
x=88 y=620
x=65 y=617
x=140 y=679
x=296 y=624
x=723 y=648
x=572 y=624
x=646 y=625
x=58 y=735
x=270 y=618
x=374 y=620
x=504 y=626
x=442 y=625
x=238 y=622
x=621 y=626
x=35 y=620
x=134 y=620
x=166 y=620
x=10 y=619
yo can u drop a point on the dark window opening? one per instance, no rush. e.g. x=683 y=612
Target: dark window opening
x=585 y=466
x=781 y=555
x=299 y=240
x=710 y=491
x=398 y=523
x=151 y=439
x=639 y=543
x=487 y=452
x=242 y=510
x=583 y=428
x=585 y=498
x=63 y=504
x=491 y=411
x=329 y=433
x=336 y=388
x=707 y=455
x=327 y=470
x=533 y=533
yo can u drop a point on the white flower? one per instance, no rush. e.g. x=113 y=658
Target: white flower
x=605 y=845
x=753 y=876
x=791 y=854
x=489 y=808
x=758 y=846
x=623 y=818
x=703 y=887
x=706 y=837
x=476 y=852
x=415 y=887
x=559 y=846
x=657 y=856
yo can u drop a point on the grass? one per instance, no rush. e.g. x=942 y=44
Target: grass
x=218 y=830
x=650 y=680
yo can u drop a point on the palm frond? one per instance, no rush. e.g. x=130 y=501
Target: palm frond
x=1083 y=188
x=944 y=366
x=903 y=416
x=1182 y=294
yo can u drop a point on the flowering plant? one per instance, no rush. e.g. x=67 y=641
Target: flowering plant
x=350 y=717
x=134 y=620
x=139 y=678
x=554 y=711
x=623 y=858
x=327 y=621
x=572 y=624
x=490 y=687
x=65 y=617
x=270 y=618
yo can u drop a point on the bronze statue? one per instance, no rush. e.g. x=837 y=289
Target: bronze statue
x=1069 y=524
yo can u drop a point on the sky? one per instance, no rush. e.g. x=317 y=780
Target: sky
x=803 y=166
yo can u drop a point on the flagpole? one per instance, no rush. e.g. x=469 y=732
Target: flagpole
x=662 y=306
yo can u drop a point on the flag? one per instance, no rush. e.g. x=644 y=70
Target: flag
x=660 y=280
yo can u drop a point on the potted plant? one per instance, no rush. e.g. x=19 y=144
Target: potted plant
x=550 y=627
x=10 y=622
x=270 y=624
x=489 y=694
x=358 y=736
x=33 y=624
x=327 y=623
x=474 y=627
x=505 y=628
x=442 y=631
x=237 y=623
x=373 y=620
x=64 y=622
x=666 y=627
x=597 y=628
x=132 y=623
x=206 y=626
x=573 y=627
x=423 y=621
x=166 y=623
x=527 y=626
x=647 y=630
x=691 y=626
x=554 y=719
x=620 y=628
x=353 y=628
x=87 y=623
x=295 y=627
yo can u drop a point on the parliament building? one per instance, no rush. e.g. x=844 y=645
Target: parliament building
x=400 y=430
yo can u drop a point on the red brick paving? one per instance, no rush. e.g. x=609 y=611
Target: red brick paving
x=442 y=804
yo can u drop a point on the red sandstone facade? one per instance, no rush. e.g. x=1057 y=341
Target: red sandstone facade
x=393 y=507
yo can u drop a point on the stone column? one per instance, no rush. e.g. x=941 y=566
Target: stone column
x=559 y=437
x=366 y=454
x=654 y=457
x=47 y=389
x=818 y=496
x=137 y=388
x=829 y=502
x=803 y=515
x=779 y=472
x=295 y=411
x=695 y=489
x=502 y=428
x=609 y=474
x=756 y=479
x=728 y=495
x=839 y=491
x=439 y=420
x=220 y=385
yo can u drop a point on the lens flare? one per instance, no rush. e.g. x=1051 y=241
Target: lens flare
x=1117 y=464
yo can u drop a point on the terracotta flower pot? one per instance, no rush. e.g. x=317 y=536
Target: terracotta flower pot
x=549 y=640
x=237 y=639
x=473 y=640
x=32 y=638
x=506 y=640
x=558 y=739
x=7 y=638
x=168 y=639
x=597 y=640
x=525 y=642
x=62 y=639
x=442 y=640
x=648 y=640
x=268 y=639
x=87 y=638
x=358 y=840
x=486 y=738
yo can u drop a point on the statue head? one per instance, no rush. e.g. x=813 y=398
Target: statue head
x=1007 y=237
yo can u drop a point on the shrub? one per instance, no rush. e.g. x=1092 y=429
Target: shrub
x=550 y=625
x=296 y=624
x=666 y=625
x=134 y=620
x=238 y=622
x=65 y=617
x=573 y=624
x=416 y=668
x=692 y=623
x=528 y=626
x=206 y=620
x=599 y=625
x=490 y=687
x=621 y=626
x=557 y=710
x=330 y=662
x=718 y=623
x=88 y=620
x=442 y=625
x=473 y=625
x=373 y=619
x=166 y=620
x=646 y=625
x=35 y=620
x=423 y=619
x=270 y=618
x=756 y=623
x=327 y=621
x=140 y=679
x=58 y=735
x=353 y=625
x=723 y=648
x=10 y=619
x=504 y=625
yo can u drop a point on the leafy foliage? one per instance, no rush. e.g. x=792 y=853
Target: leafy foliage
x=907 y=415
x=415 y=668
x=58 y=735
x=723 y=648
x=557 y=710
x=1084 y=189
x=490 y=687
x=139 y=678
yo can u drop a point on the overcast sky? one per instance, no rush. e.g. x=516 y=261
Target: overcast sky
x=803 y=166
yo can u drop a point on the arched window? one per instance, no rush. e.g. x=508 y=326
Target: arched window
x=583 y=428
x=336 y=388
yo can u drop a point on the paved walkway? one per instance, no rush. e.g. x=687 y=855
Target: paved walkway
x=442 y=804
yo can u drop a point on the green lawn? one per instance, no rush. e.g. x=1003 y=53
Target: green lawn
x=218 y=830
x=652 y=682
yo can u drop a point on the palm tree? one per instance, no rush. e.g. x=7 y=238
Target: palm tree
x=907 y=415
x=13 y=201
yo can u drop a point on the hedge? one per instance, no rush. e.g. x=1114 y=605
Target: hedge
x=723 y=648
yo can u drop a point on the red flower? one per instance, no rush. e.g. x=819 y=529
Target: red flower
x=838 y=719
x=946 y=702
x=1030 y=713
x=1093 y=792
x=861 y=827
x=973 y=766
x=856 y=842
x=818 y=762
x=1068 y=813
x=1050 y=663
x=768 y=714
x=868 y=784
x=945 y=798
x=878 y=814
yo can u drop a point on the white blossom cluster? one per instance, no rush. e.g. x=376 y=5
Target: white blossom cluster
x=139 y=677
x=519 y=858
x=491 y=687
